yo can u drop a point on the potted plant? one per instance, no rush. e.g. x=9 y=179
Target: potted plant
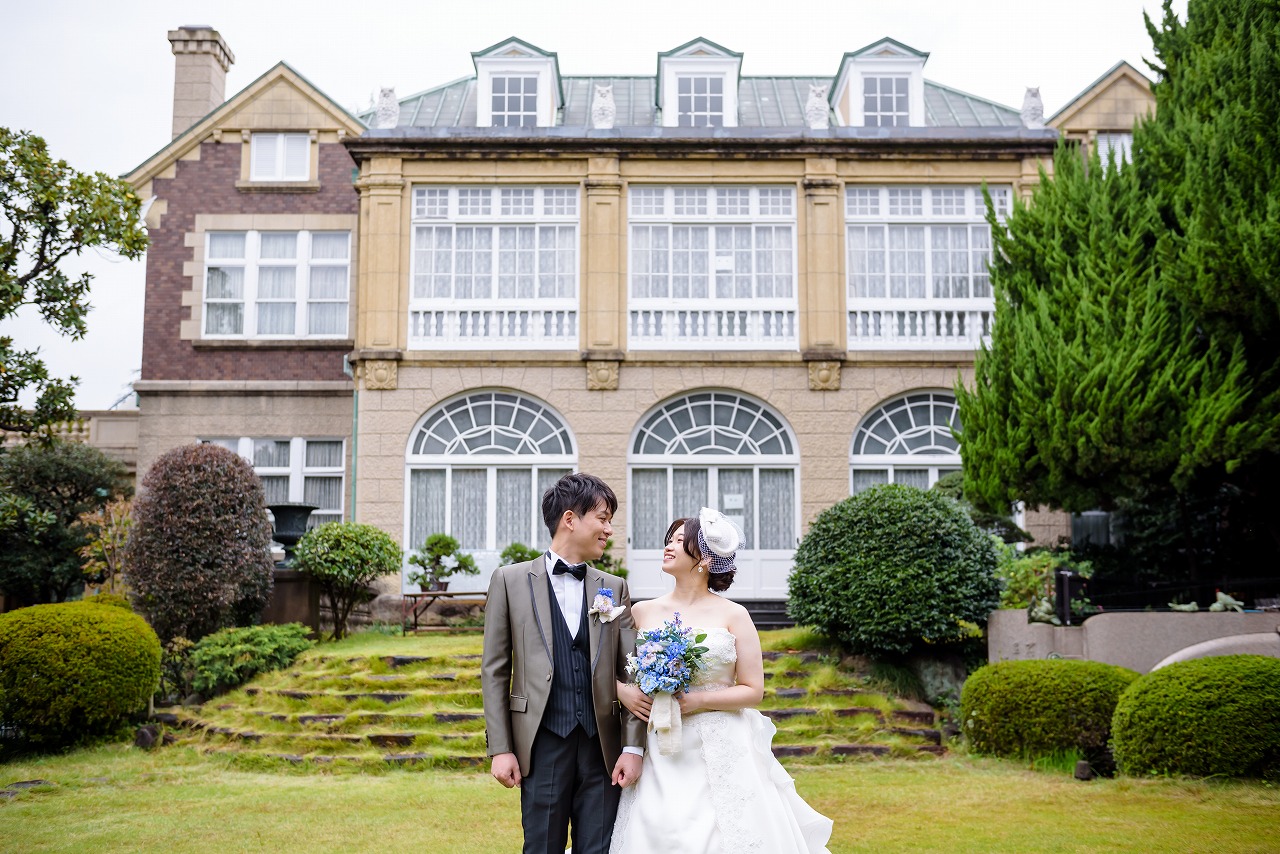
x=440 y=557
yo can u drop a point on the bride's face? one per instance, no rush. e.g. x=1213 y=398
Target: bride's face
x=675 y=560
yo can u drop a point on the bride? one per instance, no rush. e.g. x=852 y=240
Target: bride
x=723 y=791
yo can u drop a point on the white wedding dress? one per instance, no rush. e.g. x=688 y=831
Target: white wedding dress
x=724 y=791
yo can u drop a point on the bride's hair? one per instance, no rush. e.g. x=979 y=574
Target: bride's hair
x=717 y=582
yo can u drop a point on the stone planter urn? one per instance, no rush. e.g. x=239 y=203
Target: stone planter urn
x=291 y=524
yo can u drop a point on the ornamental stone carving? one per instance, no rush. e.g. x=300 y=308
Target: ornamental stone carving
x=824 y=376
x=1032 y=109
x=381 y=375
x=603 y=111
x=817 y=112
x=602 y=376
x=388 y=110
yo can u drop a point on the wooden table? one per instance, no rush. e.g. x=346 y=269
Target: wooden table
x=416 y=604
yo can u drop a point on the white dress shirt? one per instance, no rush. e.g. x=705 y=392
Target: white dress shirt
x=568 y=592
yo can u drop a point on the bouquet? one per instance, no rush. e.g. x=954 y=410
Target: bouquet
x=664 y=664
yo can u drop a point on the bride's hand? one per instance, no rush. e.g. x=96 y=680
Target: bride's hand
x=636 y=701
x=689 y=703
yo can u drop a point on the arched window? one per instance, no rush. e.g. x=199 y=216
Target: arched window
x=477 y=466
x=906 y=440
x=724 y=450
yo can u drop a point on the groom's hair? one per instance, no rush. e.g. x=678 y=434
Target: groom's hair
x=581 y=493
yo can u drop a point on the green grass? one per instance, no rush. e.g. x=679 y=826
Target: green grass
x=175 y=800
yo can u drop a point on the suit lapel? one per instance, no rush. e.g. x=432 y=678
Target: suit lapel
x=541 y=600
x=594 y=581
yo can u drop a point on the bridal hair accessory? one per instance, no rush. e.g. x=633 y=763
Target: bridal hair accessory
x=718 y=539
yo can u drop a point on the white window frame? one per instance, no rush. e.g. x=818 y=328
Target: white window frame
x=1120 y=143
x=456 y=456
x=251 y=265
x=277 y=157
x=715 y=321
x=900 y=118
x=532 y=66
x=920 y=408
x=763 y=571
x=688 y=114
x=926 y=214
x=525 y=117
x=495 y=321
x=297 y=471
x=673 y=68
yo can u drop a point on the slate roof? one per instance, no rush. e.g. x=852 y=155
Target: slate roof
x=763 y=102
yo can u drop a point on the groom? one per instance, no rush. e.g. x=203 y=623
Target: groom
x=554 y=645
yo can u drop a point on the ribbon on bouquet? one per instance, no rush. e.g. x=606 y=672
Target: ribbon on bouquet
x=664 y=719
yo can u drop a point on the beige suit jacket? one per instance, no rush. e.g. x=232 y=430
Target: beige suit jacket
x=516 y=672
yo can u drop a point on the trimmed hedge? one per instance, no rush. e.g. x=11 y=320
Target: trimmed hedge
x=1208 y=716
x=1026 y=709
x=73 y=672
x=227 y=659
x=892 y=570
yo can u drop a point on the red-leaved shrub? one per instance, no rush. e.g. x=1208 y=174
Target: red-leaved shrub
x=200 y=549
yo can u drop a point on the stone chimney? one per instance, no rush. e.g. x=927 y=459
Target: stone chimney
x=200 y=73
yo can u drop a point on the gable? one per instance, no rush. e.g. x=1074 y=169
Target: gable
x=279 y=100
x=1112 y=103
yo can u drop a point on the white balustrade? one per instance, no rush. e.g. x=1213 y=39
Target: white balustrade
x=889 y=324
x=712 y=324
x=493 y=327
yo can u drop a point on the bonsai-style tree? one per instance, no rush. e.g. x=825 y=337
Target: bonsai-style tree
x=345 y=558
x=440 y=557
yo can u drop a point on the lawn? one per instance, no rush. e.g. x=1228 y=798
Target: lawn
x=175 y=800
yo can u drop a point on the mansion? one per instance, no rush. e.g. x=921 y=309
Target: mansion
x=754 y=293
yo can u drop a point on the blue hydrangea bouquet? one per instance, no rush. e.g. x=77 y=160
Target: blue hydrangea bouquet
x=664 y=664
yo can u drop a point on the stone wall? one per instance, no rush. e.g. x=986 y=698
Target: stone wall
x=1136 y=640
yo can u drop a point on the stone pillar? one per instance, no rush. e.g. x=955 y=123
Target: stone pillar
x=604 y=287
x=823 y=336
x=382 y=285
x=200 y=73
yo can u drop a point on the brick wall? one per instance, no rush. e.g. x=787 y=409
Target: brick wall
x=208 y=186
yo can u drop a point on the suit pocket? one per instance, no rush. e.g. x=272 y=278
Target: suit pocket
x=519 y=704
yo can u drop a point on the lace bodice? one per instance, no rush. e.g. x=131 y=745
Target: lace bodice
x=721 y=661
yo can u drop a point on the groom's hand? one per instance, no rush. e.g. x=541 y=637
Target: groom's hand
x=627 y=770
x=506 y=769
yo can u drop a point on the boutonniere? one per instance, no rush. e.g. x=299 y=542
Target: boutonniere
x=603 y=608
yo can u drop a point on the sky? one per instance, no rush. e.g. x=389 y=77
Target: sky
x=95 y=80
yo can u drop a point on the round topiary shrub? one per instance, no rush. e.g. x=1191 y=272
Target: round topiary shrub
x=893 y=569
x=1208 y=716
x=199 y=552
x=76 y=671
x=345 y=558
x=1026 y=709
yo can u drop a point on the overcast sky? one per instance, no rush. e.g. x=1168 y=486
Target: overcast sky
x=95 y=79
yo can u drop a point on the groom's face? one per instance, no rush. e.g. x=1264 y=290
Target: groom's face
x=590 y=533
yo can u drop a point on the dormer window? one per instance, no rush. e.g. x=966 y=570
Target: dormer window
x=517 y=85
x=885 y=101
x=881 y=85
x=515 y=101
x=700 y=101
x=698 y=86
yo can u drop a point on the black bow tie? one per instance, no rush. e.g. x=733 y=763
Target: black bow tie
x=578 y=570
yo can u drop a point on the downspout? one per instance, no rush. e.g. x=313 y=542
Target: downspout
x=355 y=432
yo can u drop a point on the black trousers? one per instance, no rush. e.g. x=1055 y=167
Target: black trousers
x=567 y=784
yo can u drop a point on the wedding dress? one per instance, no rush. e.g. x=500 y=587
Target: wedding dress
x=724 y=791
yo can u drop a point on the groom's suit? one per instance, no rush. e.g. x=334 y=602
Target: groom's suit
x=525 y=634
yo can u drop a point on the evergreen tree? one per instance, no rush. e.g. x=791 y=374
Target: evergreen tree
x=1134 y=360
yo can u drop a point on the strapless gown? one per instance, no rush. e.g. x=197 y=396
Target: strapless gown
x=724 y=791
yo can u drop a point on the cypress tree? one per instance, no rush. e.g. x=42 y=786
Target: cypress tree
x=1135 y=357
